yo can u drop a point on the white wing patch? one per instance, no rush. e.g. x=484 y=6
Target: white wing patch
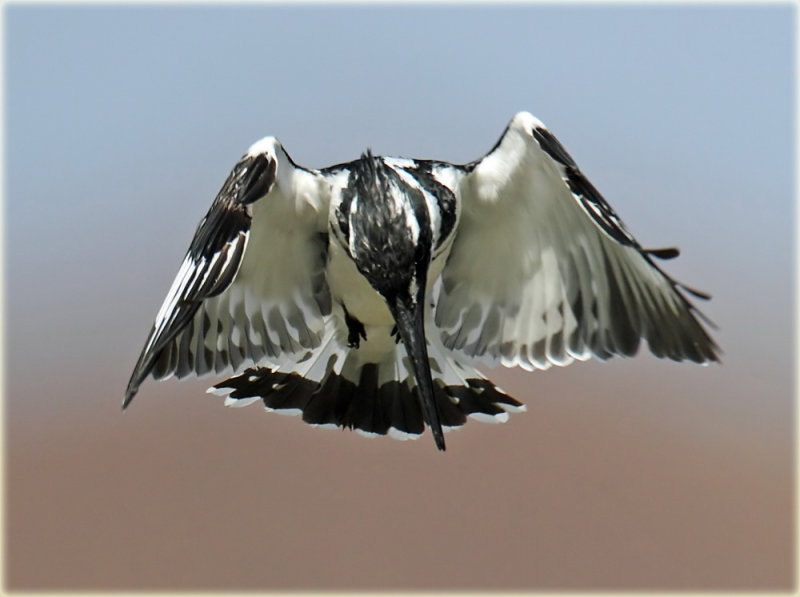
x=533 y=280
x=276 y=306
x=252 y=286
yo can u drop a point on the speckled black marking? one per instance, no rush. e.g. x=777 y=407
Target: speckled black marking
x=384 y=249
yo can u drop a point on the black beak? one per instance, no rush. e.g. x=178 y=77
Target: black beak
x=408 y=313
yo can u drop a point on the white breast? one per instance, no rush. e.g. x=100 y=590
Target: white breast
x=350 y=288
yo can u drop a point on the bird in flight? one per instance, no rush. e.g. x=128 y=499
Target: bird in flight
x=363 y=295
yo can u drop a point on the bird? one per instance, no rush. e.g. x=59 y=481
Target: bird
x=365 y=295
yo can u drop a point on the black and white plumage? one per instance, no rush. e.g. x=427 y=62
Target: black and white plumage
x=363 y=295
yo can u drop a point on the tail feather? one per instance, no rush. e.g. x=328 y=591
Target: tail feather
x=335 y=387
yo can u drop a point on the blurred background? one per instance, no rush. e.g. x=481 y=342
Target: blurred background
x=121 y=125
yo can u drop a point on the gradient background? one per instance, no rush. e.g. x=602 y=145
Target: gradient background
x=122 y=123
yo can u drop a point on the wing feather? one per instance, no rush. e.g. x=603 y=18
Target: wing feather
x=252 y=285
x=543 y=271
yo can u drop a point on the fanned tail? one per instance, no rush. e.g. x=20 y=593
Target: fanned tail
x=339 y=386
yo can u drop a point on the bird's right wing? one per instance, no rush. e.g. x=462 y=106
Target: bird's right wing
x=252 y=285
x=542 y=271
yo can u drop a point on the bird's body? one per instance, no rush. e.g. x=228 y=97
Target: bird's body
x=364 y=294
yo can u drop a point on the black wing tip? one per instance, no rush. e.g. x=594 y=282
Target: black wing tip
x=711 y=353
x=664 y=253
x=715 y=352
x=711 y=356
x=699 y=348
x=705 y=296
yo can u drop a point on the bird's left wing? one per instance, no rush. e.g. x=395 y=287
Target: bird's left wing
x=251 y=286
x=542 y=271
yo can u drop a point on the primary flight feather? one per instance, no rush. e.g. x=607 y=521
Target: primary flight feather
x=363 y=295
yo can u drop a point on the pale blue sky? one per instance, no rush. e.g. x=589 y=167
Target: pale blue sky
x=122 y=122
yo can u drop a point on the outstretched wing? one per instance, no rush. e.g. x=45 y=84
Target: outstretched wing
x=252 y=284
x=542 y=270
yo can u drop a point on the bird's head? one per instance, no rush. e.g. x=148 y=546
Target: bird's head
x=386 y=223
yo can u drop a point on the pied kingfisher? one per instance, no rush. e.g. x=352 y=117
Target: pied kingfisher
x=362 y=295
